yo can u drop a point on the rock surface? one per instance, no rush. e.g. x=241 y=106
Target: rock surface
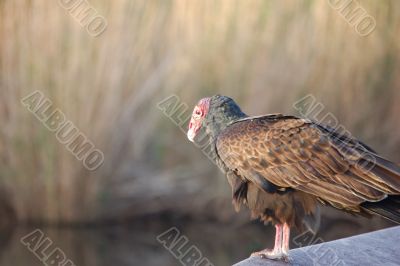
x=376 y=248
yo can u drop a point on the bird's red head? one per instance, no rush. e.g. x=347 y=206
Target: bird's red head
x=199 y=113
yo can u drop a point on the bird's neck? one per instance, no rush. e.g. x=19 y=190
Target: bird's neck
x=219 y=121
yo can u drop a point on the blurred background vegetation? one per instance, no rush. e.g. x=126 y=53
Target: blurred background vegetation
x=264 y=54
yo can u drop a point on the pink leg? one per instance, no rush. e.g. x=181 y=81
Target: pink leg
x=276 y=253
x=286 y=238
x=278 y=237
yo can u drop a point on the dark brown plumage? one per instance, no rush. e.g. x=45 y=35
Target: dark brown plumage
x=282 y=166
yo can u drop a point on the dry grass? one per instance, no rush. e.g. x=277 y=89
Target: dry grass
x=266 y=54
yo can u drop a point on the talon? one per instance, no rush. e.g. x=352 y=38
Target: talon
x=271 y=254
x=285 y=258
x=261 y=253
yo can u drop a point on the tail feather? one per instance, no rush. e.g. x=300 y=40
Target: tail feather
x=387 y=171
x=388 y=208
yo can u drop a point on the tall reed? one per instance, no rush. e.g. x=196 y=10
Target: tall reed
x=266 y=54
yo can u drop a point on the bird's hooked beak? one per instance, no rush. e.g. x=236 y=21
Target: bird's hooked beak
x=193 y=129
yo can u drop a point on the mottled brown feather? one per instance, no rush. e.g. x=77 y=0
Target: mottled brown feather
x=296 y=153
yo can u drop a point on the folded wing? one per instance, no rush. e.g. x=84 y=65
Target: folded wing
x=296 y=153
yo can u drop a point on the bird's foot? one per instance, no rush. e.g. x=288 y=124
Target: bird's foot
x=271 y=254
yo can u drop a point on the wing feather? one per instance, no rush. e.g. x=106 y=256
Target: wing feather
x=290 y=152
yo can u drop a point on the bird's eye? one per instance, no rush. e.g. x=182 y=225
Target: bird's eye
x=197 y=113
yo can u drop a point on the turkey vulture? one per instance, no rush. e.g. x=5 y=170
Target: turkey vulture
x=281 y=167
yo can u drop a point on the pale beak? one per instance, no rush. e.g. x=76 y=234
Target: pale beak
x=191 y=134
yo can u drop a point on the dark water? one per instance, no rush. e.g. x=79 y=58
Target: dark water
x=137 y=243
